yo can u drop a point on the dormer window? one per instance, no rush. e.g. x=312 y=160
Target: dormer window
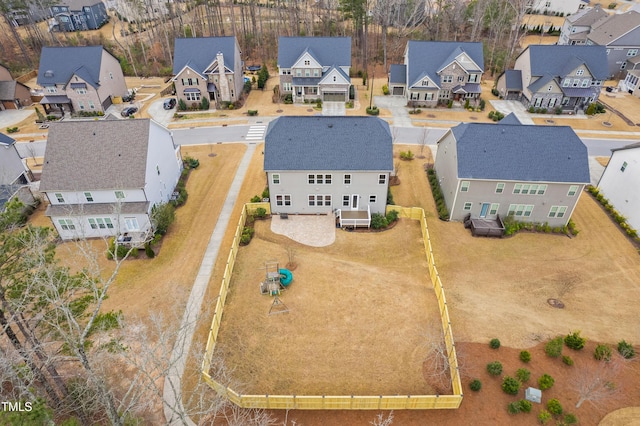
x=580 y=72
x=425 y=83
x=307 y=62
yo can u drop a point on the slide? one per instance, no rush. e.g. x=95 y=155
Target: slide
x=286 y=276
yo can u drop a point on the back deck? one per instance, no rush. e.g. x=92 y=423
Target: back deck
x=483 y=227
x=353 y=218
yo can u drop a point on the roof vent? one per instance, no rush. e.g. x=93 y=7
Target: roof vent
x=48 y=73
x=331 y=126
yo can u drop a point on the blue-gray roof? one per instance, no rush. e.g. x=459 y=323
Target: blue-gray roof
x=326 y=50
x=398 y=74
x=58 y=64
x=510 y=118
x=328 y=143
x=428 y=57
x=541 y=82
x=520 y=153
x=200 y=52
x=513 y=79
x=558 y=60
x=6 y=140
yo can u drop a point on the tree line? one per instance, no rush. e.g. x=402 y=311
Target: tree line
x=379 y=29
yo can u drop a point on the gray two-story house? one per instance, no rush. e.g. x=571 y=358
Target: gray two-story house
x=533 y=173
x=208 y=67
x=312 y=68
x=78 y=15
x=438 y=71
x=576 y=27
x=620 y=35
x=83 y=78
x=319 y=165
x=568 y=78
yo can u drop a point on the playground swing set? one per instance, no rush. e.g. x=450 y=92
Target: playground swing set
x=276 y=280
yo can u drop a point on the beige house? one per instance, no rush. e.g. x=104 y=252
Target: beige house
x=207 y=68
x=13 y=94
x=78 y=79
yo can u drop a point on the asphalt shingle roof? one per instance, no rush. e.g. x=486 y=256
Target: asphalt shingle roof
x=513 y=79
x=200 y=52
x=614 y=27
x=63 y=62
x=326 y=50
x=328 y=143
x=587 y=17
x=7 y=90
x=96 y=155
x=398 y=74
x=521 y=153
x=553 y=59
x=427 y=57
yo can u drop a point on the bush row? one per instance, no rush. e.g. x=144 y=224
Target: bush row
x=438 y=197
x=511 y=226
x=614 y=214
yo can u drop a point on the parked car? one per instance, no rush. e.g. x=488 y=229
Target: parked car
x=128 y=111
x=169 y=103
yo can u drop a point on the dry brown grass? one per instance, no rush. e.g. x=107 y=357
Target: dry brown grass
x=359 y=311
x=502 y=285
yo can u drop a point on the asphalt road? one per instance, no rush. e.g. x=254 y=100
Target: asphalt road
x=406 y=135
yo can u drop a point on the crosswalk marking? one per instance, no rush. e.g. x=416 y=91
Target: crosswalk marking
x=256 y=133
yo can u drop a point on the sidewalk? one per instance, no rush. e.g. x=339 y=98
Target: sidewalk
x=172 y=393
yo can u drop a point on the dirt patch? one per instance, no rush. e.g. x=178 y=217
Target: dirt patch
x=357 y=320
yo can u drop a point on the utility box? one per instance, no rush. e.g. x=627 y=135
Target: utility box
x=533 y=395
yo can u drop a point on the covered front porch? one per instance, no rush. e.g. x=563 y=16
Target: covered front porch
x=56 y=104
x=353 y=218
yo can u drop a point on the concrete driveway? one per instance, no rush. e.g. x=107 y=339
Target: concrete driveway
x=11 y=117
x=159 y=114
x=334 y=108
x=508 y=107
x=397 y=106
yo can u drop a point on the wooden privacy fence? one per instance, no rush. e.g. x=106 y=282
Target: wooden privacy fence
x=339 y=402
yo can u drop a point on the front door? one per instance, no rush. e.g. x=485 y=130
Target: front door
x=354 y=201
x=485 y=210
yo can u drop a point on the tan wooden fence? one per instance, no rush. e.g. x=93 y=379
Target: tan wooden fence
x=339 y=402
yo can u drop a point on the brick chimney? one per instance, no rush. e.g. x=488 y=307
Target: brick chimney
x=224 y=94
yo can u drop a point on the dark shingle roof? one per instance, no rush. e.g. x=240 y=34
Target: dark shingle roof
x=520 y=153
x=513 y=79
x=200 y=52
x=427 y=57
x=553 y=59
x=328 y=143
x=398 y=74
x=6 y=140
x=95 y=155
x=327 y=50
x=63 y=62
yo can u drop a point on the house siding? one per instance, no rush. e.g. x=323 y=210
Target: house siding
x=180 y=87
x=109 y=86
x=164 y=165
x=295 y=184
x=484 y=191
x=620 y=188
x=83 y=227
x=99 y=196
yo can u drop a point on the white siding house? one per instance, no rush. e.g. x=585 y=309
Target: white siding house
x=319 y=165
x=620 y=182
x=102 y=178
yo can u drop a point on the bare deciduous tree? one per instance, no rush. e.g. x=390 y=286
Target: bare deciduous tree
x=598 y=384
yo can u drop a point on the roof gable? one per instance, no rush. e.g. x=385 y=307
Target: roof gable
x=84 y=155
x=428 y=57
x=328 y=143
x=341 y=77
x=520 y=153
x=326 y=50
x=424 y=78
x=307 y=55
x=58 y=64
x=553 y=59
x=200 y=52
